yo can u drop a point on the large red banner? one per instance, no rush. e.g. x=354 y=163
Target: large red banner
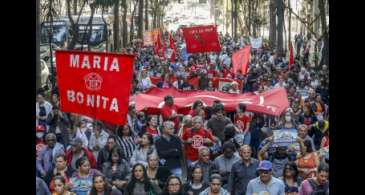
x=272 y=102
x=95 y=84
x=201 y=39
x=241 y=60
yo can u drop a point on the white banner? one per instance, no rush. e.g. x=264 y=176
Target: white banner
x=256 y=43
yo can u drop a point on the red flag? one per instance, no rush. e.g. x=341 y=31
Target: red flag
x=201 y=39
x=291 y=55
x=172 y=47
x=271 y=102
x=241 y=60
x=163 y=49
x=95 y=84
x=158 y=44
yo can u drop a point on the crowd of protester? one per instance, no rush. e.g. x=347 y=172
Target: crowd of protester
x=210 y=151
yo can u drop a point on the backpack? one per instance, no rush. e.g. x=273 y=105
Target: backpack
x=319 y=189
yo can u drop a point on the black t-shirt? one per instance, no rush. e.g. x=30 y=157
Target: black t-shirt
x=188 y=188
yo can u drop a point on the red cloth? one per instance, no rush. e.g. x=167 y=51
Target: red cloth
x=191 y=150
x=87 y=84
x=202 y=39
x=151 y=131
x=172 y=46
x=167 y=111
x=291 y=55
x=212 y=73
x=241 y=60
x=89 y=156
x=192 y=113
x=242 y=121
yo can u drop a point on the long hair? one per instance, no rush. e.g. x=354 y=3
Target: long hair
x=166 y=191
x=116 y=150
x=294 y=167
x=146 y=181
x=197 y=166
x=107 y=187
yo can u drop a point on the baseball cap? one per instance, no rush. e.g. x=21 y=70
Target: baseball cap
x=265 y=165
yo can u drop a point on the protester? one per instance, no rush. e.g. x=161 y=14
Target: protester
x=82 y=180
x=76 y=152
x=217 y=123
x=242 y=171
x=59 y=125
x=156 y=173
x=290 y=179
x=215 y=186
x=146 y=147
x=60 y=187
x=100 y=186
x=194 y=138
x=98 y=139
x=317 y=185
x=41 y=187
x=105 y=152
x=139 y=182
x=43 y=109
x=46 y=158
x=116 y=170
x=174 y=186
x=225 y=161
x=126 y=140
x=265 y=183
x=195 y=183
x=204 y=161
x=61 y=169
x=308 y=161
x=169 y=148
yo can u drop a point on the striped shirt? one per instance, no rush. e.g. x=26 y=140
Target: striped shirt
x=128 y=146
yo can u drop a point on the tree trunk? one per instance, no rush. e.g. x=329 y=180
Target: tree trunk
x=116 y=27
x=289 y=23
x=235 y=19
x=232 y=17
x=74 y=29
x=325 y=50
x=280 y=14
x=254 y=16
x=125 y=25
x=75 y=6
x=146 y=16
x=272 y=33
x=107 y=30
x=132 y=23
x=92 y=7
x=140 y=19
x=38 y=62
x=249 y=16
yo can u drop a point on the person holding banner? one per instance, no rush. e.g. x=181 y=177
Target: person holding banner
x=169 y=111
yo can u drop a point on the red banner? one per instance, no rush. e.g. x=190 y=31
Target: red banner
x=95 y=84
x=201 y=39
x=291 y=56
x=272 y=102
x=241 y=60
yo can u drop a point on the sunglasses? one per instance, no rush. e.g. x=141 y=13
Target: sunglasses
x=264 y=171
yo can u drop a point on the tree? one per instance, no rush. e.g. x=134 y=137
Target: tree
x=146 y=16
x=272 y=30
x=74 y=30
x=140 y=19
x=132 y=21
x=116 y=26
x=280 y=27
x=325 y=50
x=124 y=22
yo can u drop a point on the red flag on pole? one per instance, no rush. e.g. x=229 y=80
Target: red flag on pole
x=172 y=46
x=158 y=44
x=291 y=55
x=201 y=39
x=95 y=84
x=241 y=60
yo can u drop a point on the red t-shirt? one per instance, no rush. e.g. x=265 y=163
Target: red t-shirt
x=167 y=111
x=242 y=121
x=151 y=131
x=212 y=73
x=191 y=150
